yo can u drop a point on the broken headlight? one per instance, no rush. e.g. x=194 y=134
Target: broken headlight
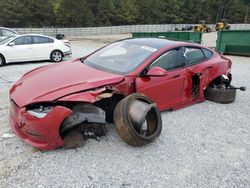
x=40 y=112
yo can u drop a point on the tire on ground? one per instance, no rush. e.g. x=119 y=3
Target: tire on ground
x=223 y=96
x=56 y=53
x=126 y=129
x=2 y=60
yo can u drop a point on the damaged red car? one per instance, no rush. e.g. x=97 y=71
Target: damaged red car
x=127 y=82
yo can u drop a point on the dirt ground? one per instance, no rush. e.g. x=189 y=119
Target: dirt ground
x=204 y=145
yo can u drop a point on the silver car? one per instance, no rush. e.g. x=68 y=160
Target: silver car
x=6 y=33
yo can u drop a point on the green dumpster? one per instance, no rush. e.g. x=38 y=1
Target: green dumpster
x=195 y=37
x=235 y=42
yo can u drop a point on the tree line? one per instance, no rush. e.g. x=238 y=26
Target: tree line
x=88 y=13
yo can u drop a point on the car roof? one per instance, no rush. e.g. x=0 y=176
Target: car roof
x=161 y=43
x=36 y=35
x=152 y=42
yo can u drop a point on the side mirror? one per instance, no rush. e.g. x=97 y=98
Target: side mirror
x=157 y=72
x=11 y=44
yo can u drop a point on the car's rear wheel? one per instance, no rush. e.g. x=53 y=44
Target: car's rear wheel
x=2 y=60
x=137 y=120
x=56 y=56
x=220 y=95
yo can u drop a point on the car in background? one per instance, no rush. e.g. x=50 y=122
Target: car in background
x=6 y=33
x=187 y=28
x=23 y=48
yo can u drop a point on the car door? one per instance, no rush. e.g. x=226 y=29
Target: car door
x=197 y=72
x=165 y=90
x=42 y=46
x=20 y=49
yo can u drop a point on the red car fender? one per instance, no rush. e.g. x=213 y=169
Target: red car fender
x=42 y=133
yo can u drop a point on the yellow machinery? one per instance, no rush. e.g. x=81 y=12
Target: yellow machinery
x=202 y=27
x=223 y=25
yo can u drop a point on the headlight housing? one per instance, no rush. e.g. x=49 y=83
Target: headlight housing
x=40 y=112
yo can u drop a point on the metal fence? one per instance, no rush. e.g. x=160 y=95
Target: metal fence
x=91 y=31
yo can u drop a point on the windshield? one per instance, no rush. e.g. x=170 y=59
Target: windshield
x=5 y=40
x=120 y=57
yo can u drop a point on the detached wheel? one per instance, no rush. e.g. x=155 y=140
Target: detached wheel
x=2 y=60
x=223 y=96
x=137 y=120
x=56 y=56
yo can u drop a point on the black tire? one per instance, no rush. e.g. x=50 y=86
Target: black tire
x=223 y=96
x=56 y=56
x=2 y=60
x=125 y=128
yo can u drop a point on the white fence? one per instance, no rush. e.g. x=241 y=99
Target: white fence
x=90 y=31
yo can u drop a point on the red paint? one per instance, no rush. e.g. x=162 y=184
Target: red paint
x=40 y=133
x=52 y=82
x=74 y=81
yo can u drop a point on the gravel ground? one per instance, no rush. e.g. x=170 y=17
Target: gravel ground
x=204 y=145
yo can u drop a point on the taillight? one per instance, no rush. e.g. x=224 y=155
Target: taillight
x=229 y=62
x=67 y=44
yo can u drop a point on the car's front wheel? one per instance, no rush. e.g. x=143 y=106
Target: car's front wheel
x=56 y=56
x=2 y=60
x=137 y=120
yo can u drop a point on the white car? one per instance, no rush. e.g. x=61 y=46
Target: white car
x=6 y=32
x=32 y=47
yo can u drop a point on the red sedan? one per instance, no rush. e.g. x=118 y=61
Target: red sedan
x=128 y=81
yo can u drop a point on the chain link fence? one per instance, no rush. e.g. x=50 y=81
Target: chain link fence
x=92 y=31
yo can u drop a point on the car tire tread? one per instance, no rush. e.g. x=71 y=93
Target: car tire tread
x=123 y=125
x=223 y=96
x=2 y=60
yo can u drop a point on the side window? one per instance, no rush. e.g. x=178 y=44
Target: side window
x=194 y=56
x=42 y=40
x=173 y=59
x=23 y=40
x=7 y=33
x=207 y=53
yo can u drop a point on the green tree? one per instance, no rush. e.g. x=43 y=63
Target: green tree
x=144 y=11
x=73 y=13
x=126 y=13
x=237 y=12
x=105 y=12
x=11 y=13
x=82 y=13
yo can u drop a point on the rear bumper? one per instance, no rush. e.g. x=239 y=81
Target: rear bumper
x=69 y=53
x=41 y=133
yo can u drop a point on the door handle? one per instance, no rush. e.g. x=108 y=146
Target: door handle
x=176 y=76
x=209 y=67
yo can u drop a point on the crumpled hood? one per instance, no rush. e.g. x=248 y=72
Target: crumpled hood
x=51 y=82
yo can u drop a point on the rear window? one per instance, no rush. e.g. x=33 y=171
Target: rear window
x=208 y=54
x=194 y=56
x=41 y=40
